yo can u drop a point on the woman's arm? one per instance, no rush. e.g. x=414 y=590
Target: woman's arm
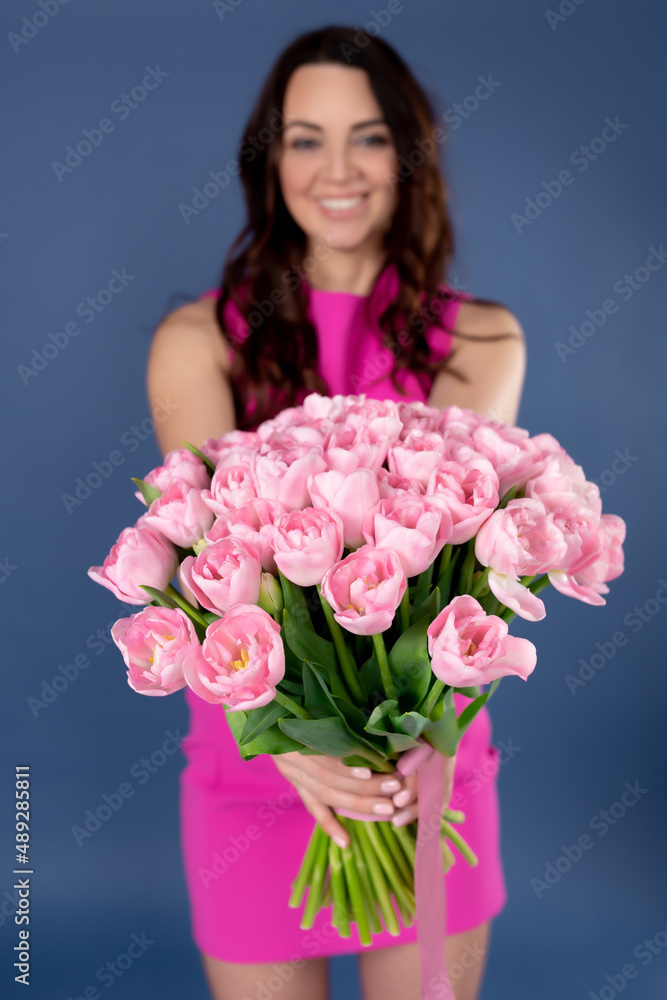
x=187 y=378
x=496 y=368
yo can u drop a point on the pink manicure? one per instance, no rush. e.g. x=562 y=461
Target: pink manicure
x=361 y=772
x=392 y=785
x=383 y=808
x=403 y=818
x=402 y=798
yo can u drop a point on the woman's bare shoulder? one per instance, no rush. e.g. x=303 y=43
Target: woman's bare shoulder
x=191 y=331
x=479 y=319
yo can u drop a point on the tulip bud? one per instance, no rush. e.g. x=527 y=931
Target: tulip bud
x=271 y=595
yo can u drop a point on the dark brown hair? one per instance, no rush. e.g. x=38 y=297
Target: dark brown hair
x=276 y=364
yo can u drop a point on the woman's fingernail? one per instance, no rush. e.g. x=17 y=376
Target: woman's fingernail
x=391 y=785
x=383 y=809
x=340 y=841
x=361 y=772
x=402 y=798
x=402 y=818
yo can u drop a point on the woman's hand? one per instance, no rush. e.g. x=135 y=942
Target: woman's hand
x=405 y=800
x=324 y=781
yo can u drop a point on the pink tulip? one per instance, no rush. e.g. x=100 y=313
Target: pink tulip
x=410 y=526
x=307 y=543
x=139 y=556
x=180 y=463
x=351 y=497
x=347 y=449
x=364 y=589
x=231 y=486
x=469 y=647
x=154 y=643
x=180 y=514
x=391 y=485
x=251 y=523
x=240 y=661
x=469 y=495
x=513 y=454
x=283 y=475
x=519 y=540
x=216 y=449
x=589 y=583
x=419 y=455
x=225 y=573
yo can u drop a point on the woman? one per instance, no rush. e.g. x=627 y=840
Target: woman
x=340 y=289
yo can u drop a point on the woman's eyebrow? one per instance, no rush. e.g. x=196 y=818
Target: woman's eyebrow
x=370 y=121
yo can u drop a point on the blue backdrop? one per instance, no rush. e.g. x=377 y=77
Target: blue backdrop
x=557 y=172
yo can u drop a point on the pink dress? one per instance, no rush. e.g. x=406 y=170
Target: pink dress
x=244 y=828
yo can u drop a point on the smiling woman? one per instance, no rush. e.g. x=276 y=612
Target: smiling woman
x=337 y=284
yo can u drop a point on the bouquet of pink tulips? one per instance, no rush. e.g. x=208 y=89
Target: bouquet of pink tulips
x=344 y=570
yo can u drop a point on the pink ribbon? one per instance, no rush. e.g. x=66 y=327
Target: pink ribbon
x=431 y=907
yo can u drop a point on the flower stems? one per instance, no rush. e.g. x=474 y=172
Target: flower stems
x=291 y=705
x=348 y=666
x=404 y=610
x=432 y=698
x=371 y=882
x=385 y=673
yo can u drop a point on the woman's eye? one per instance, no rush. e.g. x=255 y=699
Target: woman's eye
x=370 y=140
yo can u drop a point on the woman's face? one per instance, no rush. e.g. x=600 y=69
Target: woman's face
x=337 y=162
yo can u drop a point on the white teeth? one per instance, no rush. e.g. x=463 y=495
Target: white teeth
x=340 y=203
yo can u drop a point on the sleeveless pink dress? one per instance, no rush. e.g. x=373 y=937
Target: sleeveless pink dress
x=244 y=828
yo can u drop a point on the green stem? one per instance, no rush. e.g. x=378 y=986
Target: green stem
x=386 y=831
x=370 y=905
x=303 y=877
x=316 y=883
x=340 y=918
x=381 y=890
x=185 y=605
x=482 y=582
x=348 y=666
x=405 y=610
x=292 y=706
x=458 y=841
x=352 y=879
x=407 y=842
x=385 y=673
x=404 y=896
x=432 y=698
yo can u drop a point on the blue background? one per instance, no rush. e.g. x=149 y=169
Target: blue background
x=556 y=83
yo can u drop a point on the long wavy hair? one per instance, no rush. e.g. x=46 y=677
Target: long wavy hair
x=275 y=365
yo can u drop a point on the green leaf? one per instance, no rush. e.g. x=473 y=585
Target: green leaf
x=510 y=495
x=296 y=603
x=159 y=597
x=148 y=492
x=306 y=644
x=471 y=710
x=259 y=720
x=429 y=608
x=317 y=698
x=444 y=733
x=469 y=692
x=272 y=741
x=445 y=579
x=410 y=664
x=378 y=722
x=329 y=736
x=200 y=454
x=410 y=723
x=419 y=592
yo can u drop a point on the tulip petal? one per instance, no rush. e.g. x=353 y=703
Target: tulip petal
x=515 y=596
